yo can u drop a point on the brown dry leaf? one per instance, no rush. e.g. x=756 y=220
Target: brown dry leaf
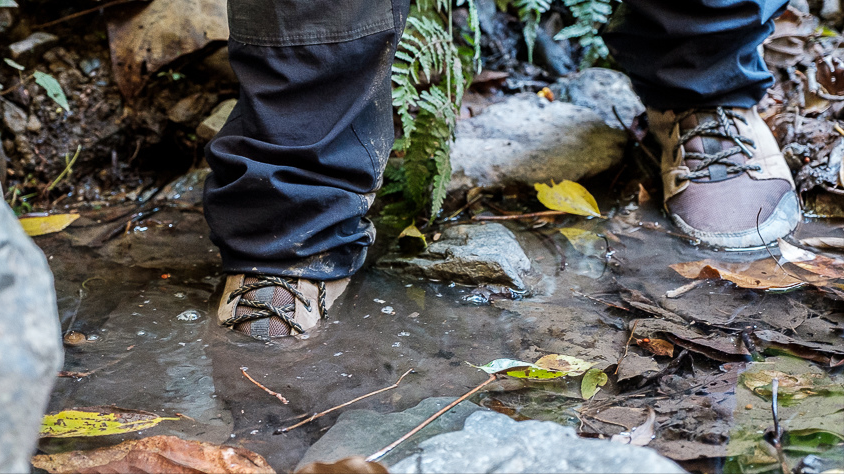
x=143 y=38
x=762 y=274
x=827 y=243
x=356 y=464
x=786 y=46
x=821 y=353
x=715 y=346
x=817 y=264
x=155 y=455
x=641 y=435
x=644 y=195
x=659 y=347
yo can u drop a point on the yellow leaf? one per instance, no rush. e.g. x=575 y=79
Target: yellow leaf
x=585 y=242
x=97 y=421
x=46 y=224
x=414 y=232
x=567 y=196
x=566 y=364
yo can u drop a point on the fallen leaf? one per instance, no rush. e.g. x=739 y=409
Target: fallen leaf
x=791 y=387
x=41 y=225
x=562 y=363
x=762 y=274
x=719 y=347
x=585 y=242
x=592 y=379
x=567 y=196
x=644 y=195
x=412 y=240
x=641 y=435
x=355 y=464
x=97 y=421
x=519 y=370
x=157 y=454
x=634 y=365
x=143 y=38
x=817 y=352
x=53 y=88
x=831 y=243
x=659 y=347
x=817 y=264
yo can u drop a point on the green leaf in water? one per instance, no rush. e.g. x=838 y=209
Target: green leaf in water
x=592 y=379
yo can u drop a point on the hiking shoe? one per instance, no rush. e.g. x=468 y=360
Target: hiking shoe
x=264 y=307
x=721 y=168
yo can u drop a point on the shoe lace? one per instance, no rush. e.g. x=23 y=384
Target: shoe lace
x=266 y=309
x=718 y=128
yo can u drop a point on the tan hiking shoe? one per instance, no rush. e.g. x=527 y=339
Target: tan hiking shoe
x=265 y=307
x=721 y=168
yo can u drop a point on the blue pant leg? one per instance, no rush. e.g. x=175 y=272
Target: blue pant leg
x=296 y=165
x=682 y=54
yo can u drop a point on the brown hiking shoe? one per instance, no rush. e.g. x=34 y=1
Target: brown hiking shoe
x=265 y=307
x=721 y=168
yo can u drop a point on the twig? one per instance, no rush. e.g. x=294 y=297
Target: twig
x=636 y=138
x=519 y=216
x=600 y=301
x=464 y=207
x=678 y=292
x=627 y=346
x=318 y=415
x=776 y=439
x=383 y=452
x=82 y=13
x=67 y=170
x=275 y=394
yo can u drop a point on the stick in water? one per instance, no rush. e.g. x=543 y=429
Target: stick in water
x=275 y=394
x=380 y=454
x=318 y=415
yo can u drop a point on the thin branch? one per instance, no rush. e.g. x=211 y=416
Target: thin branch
x=275 y=394
x=600 y=301
x=319 y=415
x=636 y=138
x=383 y=452
x=627 y=346
x=78 y=14
x=519 y=216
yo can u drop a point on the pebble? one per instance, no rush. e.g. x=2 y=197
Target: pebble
x=189 y=315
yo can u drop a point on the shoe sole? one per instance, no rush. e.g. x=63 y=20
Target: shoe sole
x=785 y=218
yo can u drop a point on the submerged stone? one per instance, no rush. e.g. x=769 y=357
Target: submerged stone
x=468 y=254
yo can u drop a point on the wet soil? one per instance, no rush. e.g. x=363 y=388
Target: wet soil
x=146 y=302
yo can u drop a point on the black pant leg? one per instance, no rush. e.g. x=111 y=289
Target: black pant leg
x=295 y=167
x=691 y=53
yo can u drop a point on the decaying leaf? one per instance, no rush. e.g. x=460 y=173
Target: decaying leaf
x=659 y=347
x=585 y=242
x=571 y=366
x=356 y=464
x=817 y=264
x=763 y=274
x=41 y=225
x=567 y=196
x=592 y=379
x=158 y=454
x=715 y=346
x=519 y=369
x=792 y=31
x=143 y=38
x=97 y=421
x=831 y=243
x=641 y=435
x=791 y=387
x=822 y=353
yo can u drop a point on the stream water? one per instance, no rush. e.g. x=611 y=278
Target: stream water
x=146 y=300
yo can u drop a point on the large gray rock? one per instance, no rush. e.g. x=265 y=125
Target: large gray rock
x=468 y=254
x=30 y=342
x=492 y=442
x=32 y=45
x=526 y=139
x=600 y=90
x=363 y=432
x=14 y=118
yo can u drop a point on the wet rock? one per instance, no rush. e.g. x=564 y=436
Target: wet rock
x=187 y=189
x=14 y=118
x=344 y=438
x=492 y=442
x=38 y=41
x=469 y=254
x=214 y=122
x=600 y=90
x=526 y=139
x=30 y=342
x=89 y=66
x=189 y=108
x=33 y=124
